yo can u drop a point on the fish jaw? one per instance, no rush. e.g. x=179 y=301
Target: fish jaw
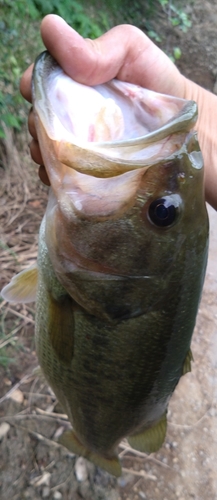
x=69 y=109
x=139 y=122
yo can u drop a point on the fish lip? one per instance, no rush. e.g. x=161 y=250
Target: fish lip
x=188 y=116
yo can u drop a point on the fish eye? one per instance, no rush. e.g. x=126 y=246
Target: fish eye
x=163 y=212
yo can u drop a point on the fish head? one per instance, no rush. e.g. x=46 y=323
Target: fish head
x=126 y=203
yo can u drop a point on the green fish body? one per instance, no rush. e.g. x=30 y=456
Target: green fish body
x=122 y=257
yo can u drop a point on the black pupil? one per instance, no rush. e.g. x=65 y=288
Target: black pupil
x=162 y=212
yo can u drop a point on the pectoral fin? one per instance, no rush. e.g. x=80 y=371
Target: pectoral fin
x=110 y=464
x=61 y=327
x=150 y=439
x=22 y=287
x=187 y=363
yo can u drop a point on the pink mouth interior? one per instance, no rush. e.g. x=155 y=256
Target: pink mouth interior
x=116 y=111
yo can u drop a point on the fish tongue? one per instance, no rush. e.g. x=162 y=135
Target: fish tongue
x=109 y=122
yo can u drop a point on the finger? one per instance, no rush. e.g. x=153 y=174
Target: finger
x=31 y=125
x=25 y=84
x=124 y=52
x=37 y=158
x=43 y=175
x=35 y=152
x=81 y=59
x=89 y=61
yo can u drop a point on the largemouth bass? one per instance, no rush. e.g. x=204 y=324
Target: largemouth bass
x=122 y=257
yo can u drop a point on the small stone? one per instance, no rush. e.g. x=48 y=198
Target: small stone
x=4 y=428
x=57 y=495
x=7 y=381
x=142 y=495
x=81 y=469
x=46 y=492
x=124 y=480
x=212 y=412
x=17 y=396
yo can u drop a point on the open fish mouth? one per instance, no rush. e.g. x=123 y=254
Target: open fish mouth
x=118 y=121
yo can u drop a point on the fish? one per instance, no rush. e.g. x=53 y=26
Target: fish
x=122 y=257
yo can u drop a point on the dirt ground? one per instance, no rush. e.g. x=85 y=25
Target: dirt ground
x=32 y=464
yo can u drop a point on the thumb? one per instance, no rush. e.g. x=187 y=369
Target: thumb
x=87 y=61
x=124 y=52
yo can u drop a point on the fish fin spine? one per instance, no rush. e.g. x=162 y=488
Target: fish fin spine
x=187 y=363
x=22 y=287
x=150 y=439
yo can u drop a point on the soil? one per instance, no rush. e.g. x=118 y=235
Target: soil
x=33 y=465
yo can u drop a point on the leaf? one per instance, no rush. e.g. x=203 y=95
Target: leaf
x=177 y=52
x=2 y=134
x=11 y=121
x=152 y=34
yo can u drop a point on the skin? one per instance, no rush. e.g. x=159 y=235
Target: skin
x=128 y=54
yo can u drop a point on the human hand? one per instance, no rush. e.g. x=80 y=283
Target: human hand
x=124 y=52
x=128 y=54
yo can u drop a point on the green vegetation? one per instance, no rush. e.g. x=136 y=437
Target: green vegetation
x=176 y=15
x=19 y=43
